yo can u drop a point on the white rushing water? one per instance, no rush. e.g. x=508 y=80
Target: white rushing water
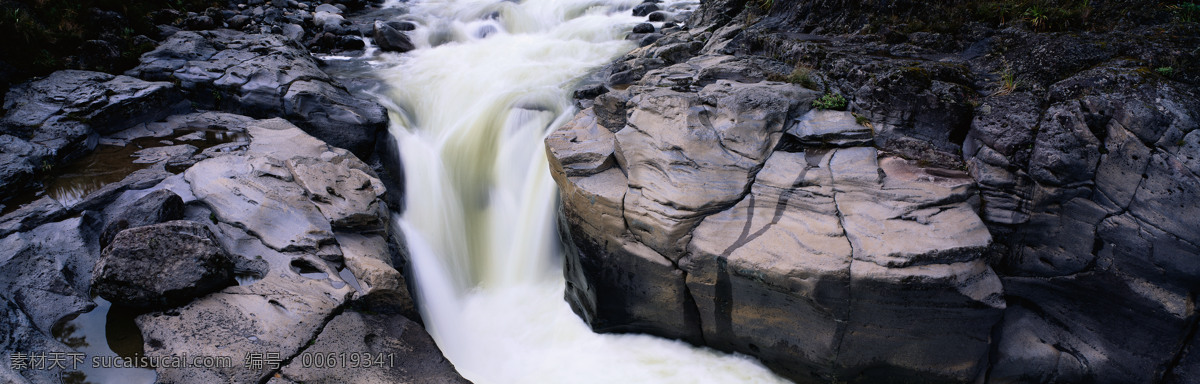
x=471 y=107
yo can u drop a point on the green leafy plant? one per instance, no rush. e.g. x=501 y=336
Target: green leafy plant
x=1165 y=71
x=1036 y=16
x=1186 y=12
x=832 y=101
x=1008 y=80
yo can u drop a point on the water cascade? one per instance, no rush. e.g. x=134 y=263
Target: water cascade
x=470 y=108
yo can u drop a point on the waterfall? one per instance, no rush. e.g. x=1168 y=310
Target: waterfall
x=470 y=108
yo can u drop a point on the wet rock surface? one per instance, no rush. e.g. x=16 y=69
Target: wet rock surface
x=53 y=120
x=302 y=257
x=1034 y=186
x=265 y=75
x=211 y=197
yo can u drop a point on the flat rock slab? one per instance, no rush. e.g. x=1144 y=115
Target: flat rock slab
x=849 y=277
x=830 y=128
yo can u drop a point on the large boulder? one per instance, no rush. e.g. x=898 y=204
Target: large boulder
x=693 y=222
x=265 y=76
x=390 y=38
x=162 y=265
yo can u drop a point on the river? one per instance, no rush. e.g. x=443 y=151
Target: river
x=470 y=108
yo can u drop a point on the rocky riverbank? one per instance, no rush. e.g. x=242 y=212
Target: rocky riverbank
x=1002 y=201
x=241 y=217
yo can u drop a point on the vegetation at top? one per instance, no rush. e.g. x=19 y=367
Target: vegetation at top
x=1041 y=15
x=44 y=35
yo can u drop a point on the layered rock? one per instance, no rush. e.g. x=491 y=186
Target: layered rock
x=264 y=75
x=1081 y=143
x=686 y=217
x=50 y=121
x=272 y=204
x=301 y=223
x=1093 y=199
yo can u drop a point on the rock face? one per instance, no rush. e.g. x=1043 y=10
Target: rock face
x=685 y=217
x=265 y=76
x=1079 y=151
x=161 y=266
x=1096 y=202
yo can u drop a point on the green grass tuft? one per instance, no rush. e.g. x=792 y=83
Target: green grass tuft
x=832 y=101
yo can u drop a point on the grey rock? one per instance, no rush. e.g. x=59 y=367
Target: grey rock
x=382 y=288
x=19 y=164
x=161 y=266
x=272 y=209
x=31 y=215
x=261 y=200
x=408 y=352
x=347 y=196
x=265 y=76
x=60 y=115
x=47 y=270
x=833 y=128
x=390 y=38
x=644 y=9
x=152 y=208
x=1066 y=151
x=326 y=111
x=801 y=247
x=167 y=154
x=329 y=21
x=18 y=334
x=238 y=22
x=675 y=179
x=293 y=32
x=327 y=8
x=581 y=147
x=687 y=223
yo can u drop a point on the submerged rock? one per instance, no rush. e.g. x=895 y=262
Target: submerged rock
x=390 y=38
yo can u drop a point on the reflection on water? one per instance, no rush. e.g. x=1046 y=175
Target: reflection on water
x=106 y=330
x=109 y=164
x=71 y=182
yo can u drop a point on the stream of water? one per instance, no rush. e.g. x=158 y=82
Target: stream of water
x=470 y=108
